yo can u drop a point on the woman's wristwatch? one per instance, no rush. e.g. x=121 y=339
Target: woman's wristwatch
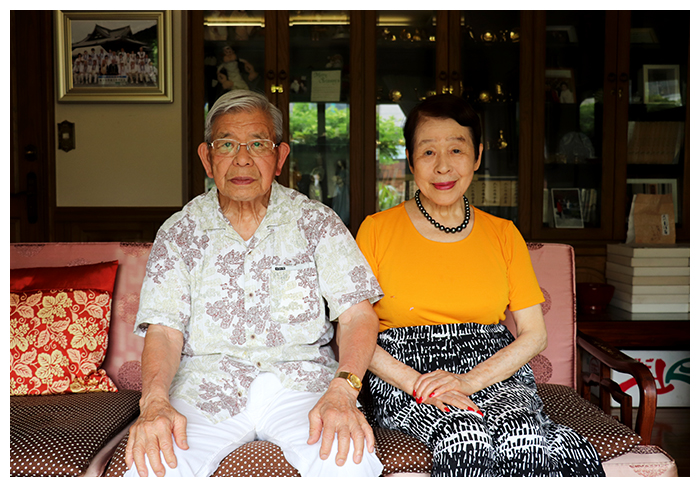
x=352 y=379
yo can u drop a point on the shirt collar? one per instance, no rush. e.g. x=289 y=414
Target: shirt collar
x=278 y=213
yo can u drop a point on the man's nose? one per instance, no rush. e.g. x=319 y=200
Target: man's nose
x=243 y=157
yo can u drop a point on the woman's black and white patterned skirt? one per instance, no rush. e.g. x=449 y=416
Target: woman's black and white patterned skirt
x=513 y=438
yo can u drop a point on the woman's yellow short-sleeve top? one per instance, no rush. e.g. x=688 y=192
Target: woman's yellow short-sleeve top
x=427 y=282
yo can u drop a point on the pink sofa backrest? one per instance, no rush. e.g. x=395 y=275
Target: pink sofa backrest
x=555 y=269
x=553 y=264
x=122 y=362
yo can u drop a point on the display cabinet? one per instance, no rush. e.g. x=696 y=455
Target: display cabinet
x=580 y=109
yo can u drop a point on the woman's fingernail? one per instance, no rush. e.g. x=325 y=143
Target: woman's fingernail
x=431 y=394
x=470 y=409
x=480 y=413
x=447 y=410
x=414 y=393
x=419 y=400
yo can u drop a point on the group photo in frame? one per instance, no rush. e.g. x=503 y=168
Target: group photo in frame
x=566 y=207
x=114 y=56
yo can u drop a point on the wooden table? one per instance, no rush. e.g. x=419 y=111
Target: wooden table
x=638 y=331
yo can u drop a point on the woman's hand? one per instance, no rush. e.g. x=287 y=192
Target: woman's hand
x=441 y=388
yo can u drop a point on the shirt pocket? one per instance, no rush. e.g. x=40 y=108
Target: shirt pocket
x=294 y=295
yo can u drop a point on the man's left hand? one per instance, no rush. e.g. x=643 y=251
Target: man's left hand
x=336 y=413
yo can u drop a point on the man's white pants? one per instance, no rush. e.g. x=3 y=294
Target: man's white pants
x=272 y=413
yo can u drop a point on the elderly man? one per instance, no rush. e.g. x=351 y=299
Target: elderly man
x=233 y=313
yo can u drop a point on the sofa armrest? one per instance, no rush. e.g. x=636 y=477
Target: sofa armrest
x=613 y=359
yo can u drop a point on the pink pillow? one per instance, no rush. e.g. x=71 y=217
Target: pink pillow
x=59 y=325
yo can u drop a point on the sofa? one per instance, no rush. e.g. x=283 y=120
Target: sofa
x=80 y=427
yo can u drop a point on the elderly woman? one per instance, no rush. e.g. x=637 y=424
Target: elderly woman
x=233 y=312
x=445 y=370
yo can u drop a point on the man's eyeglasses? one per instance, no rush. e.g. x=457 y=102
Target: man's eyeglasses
x=255 y=147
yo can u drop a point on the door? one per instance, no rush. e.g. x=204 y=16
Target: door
x=32 y=192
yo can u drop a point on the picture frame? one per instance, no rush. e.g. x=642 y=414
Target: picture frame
x=654 y=186
x=114 y=57
x=560 y=86
x=565 y=34
x=662 y=84
x=566 y=207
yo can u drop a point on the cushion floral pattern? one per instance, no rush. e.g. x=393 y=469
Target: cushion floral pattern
x=58 y=335
x=58 y=340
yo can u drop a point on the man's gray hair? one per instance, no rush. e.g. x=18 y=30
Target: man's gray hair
x=244 y=101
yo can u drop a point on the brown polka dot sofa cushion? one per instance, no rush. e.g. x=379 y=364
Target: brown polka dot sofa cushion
x=399 y=453
x=59 y=435
x=609 y=437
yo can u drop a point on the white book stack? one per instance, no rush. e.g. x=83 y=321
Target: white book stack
x=649 y=278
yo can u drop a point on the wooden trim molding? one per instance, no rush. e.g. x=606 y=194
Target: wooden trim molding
x=109 y=224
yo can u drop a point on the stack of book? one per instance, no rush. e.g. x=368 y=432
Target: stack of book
x=649 y=279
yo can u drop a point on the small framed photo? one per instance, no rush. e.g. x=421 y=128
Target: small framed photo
x=559 y=86
x=561 y=34
x=662 y=84
x=119 y=56
x=566 y=207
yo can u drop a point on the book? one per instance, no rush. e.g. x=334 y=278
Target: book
x=648 y=250
x=649 y=261
x=645 y=289
x=651 y=298
x=648 y=280
x=651 y=308
x=647 y=271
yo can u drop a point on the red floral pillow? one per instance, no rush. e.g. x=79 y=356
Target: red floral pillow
x=59 y=325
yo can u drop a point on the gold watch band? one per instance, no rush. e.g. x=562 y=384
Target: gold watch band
x=352 y=379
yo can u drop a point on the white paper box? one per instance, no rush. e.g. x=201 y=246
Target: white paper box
x=671 y=369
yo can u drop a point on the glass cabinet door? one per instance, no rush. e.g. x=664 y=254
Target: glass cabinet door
x=406 y=67
x=319 y=107
x=234 y=54
x=490 y=71
x=576 y=154
x=657 y=114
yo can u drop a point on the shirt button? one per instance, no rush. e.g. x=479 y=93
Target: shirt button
x=240 y=394
x=258 y=364
x=250 y=295
x=252 y=337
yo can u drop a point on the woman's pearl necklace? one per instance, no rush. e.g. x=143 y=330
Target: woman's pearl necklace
x=467 y=215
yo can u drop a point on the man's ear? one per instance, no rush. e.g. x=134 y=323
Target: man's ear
x=205 y=157
x=282 y=152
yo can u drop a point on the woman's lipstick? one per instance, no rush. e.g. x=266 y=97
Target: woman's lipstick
x=444 y=186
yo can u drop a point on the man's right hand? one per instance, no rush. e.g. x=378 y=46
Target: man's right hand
x=153 y=432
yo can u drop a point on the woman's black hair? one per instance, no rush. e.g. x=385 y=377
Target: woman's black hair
x=443 y=106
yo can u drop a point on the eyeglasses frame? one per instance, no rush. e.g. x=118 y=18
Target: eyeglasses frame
x=246 y=144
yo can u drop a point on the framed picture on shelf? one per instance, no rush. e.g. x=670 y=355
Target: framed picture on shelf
x=566 y=207
x=561 y=34
x=116 y=56
x=662 y=84
x=559 y=86
x=654 y=186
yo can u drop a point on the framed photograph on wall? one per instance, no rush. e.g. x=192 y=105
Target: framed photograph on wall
x=120 y=56
x=662 y=84
x=559 y=86
x=566 y=207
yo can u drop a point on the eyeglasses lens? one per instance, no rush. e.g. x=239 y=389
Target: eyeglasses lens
x=256 y=148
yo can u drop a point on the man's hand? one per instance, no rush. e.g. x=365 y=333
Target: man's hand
x=336 y=413
x=152 y=433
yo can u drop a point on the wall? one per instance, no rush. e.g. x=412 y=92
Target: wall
x=125 y=154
